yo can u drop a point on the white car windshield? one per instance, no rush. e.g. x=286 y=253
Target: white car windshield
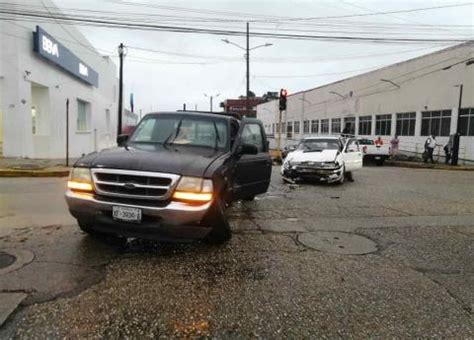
x=319 y=144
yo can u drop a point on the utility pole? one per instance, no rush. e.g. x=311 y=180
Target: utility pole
x=121 y=51
x=247 y=55
x=457 y=136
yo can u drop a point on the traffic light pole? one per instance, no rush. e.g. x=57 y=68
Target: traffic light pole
x=279 y=136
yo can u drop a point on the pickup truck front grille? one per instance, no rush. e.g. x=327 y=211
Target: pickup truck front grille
x=134 y=184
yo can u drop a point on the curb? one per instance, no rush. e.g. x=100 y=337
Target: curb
x=34 y=173
x=428 y=167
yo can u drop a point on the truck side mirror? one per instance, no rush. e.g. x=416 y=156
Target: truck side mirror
x=122 y=139
x=249 y=149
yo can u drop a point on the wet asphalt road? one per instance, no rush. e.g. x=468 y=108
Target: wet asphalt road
x=264 y=283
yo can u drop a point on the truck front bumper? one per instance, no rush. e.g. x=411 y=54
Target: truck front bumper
x=174 y=222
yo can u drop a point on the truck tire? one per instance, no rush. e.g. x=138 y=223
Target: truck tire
x=350 y=176
x=86 y=227
x=248 y=198
x=220 y=232
x=110 y=239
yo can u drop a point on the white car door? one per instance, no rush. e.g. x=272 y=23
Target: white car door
x=352 y=155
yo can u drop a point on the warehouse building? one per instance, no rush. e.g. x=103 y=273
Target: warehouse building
x=410 y=99
x=46 y=70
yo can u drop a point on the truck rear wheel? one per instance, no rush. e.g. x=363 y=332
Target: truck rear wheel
x=220 y=232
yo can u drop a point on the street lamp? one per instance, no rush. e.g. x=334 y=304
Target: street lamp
x=247 y=49
x=337 y=93
x=391 y=82
x=211 y=97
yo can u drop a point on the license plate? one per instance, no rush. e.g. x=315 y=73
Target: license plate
x=127 y=214
x=378 y=157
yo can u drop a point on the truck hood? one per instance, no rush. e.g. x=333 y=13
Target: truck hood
x=319 y=156
x=185 y=161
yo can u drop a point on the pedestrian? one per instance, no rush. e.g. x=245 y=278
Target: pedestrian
x=347 y=131
x=430 y=145
x=394 y=143
x=447 y=152
x=379 y=141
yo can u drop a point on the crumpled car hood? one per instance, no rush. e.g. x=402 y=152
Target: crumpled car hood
x=323 y=156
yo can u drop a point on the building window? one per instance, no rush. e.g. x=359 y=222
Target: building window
x=383 y=125
x=365 y=125
x=466 y=122
x=406 y=124
x=349 y=125
x=325 y=126
x=297 y=127
x=436 y=123
x=83 y=116
x=314 y=126
x=336 y=125
x=289 y=129
x=283 y=125
x=306 y=126
x=277 y=126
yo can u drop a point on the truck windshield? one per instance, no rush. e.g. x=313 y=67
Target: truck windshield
x=319 y=145
x=179 y=130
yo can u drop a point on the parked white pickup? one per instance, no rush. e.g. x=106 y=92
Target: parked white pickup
x=378 y=153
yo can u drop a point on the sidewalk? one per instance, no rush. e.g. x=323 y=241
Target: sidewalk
x=24 y=167
x=421 y=165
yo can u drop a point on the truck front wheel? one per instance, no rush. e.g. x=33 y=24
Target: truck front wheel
x=220 y=232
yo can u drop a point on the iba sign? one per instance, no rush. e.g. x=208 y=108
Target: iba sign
x=48 y=47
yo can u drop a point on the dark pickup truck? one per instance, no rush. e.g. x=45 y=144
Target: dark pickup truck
x=172 y=178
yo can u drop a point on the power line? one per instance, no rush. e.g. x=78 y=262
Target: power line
x=288 y=18
x=181 y=29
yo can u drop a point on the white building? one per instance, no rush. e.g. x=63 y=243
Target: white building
x=411 y=99
x=42 y=66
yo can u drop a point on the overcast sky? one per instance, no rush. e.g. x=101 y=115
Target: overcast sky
x=186 y=66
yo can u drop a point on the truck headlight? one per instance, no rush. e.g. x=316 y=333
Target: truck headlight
x=193 y=189
x=80 y=180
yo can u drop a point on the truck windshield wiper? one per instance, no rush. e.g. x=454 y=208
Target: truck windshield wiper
x=167 y=142
x=218 y=139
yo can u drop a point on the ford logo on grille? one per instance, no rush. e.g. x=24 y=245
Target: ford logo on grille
x=129 y=186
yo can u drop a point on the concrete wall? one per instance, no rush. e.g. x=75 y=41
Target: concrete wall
x=21 y=68
x=424 y=86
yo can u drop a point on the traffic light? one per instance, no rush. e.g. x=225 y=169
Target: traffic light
x=283 y=94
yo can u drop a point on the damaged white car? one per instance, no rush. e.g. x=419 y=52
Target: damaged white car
x=326 y=159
